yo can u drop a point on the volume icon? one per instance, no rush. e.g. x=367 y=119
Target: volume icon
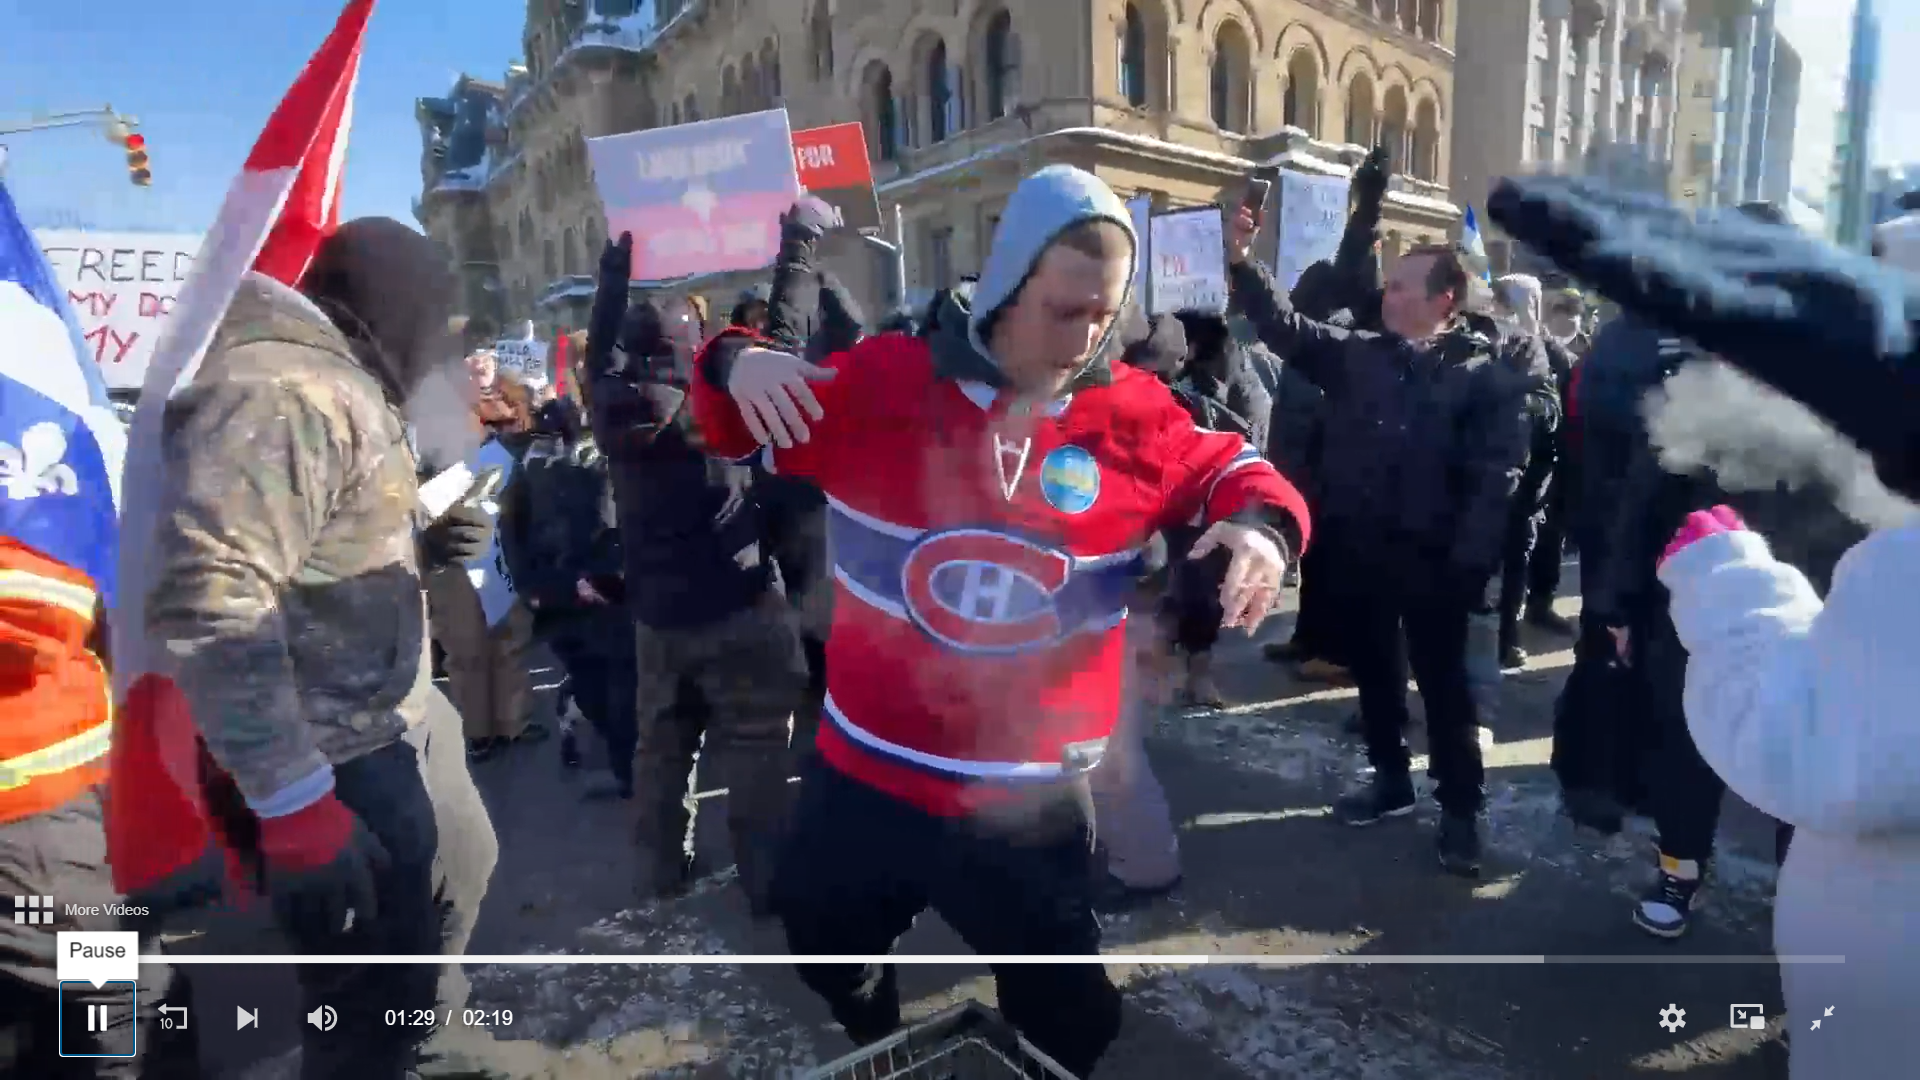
x=323 y=1018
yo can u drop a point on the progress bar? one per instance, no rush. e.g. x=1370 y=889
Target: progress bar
x=1265 y=960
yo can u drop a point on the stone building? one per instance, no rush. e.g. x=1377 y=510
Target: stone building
x=960 y=99
x=1541 y=82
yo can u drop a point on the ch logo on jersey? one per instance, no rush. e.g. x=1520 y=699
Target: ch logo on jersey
x=980 y=591
x=1070 y=480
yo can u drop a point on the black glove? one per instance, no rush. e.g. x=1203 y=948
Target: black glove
x=1370 y=179
x=1766 y=298
x=808 y=219
x=616 y=261
x=458 y=536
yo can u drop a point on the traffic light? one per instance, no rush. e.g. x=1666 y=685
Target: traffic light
x=137 y=169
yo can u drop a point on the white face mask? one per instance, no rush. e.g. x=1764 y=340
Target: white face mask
x=446 y=429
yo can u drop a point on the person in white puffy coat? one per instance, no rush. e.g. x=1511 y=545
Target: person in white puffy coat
x=1812 y=714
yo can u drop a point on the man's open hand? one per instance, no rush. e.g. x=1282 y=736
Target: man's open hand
x=1253 y=576
x=774 y=393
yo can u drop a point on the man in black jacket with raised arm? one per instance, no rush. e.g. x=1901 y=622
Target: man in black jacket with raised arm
x=716 y=648
x=1426 y=435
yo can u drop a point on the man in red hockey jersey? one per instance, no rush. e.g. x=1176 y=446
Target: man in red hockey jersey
x=990 y=489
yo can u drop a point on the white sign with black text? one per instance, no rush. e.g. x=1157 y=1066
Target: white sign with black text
x=1188 y=256
x=1313 y=214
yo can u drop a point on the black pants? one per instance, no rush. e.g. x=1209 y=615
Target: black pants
x=1549 y=549
x=417 y=797
x=1318 y=629
x=1600 y=732
x=858 y=868
x=598 y=658
x=1417 y=597
x=1684 y=793
x=62 y=853
x=1192 y=604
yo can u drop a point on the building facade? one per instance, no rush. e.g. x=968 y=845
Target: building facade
x=960 y=99
x=1852 y=212
x=1540 y=83
x=1780 y=71
x=1892 y=191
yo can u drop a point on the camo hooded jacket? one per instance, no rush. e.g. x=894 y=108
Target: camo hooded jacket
x=288 y=591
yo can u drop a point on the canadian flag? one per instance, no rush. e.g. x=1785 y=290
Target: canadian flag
x=284 y=202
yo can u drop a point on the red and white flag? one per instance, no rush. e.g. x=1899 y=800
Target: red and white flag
x=284 y=202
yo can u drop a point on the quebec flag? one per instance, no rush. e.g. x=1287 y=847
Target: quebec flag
x=61 y=445
x=1476 y=246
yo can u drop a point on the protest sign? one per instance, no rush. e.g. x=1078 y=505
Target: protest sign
x=702 y=198
x=1188 y=250
x=1140 y=209
x=489 y=572
x=832 y=164
x=121 y=287
x=1313 y=214
x=524 y=359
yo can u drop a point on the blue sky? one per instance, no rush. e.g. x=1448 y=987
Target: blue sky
x=202 y=75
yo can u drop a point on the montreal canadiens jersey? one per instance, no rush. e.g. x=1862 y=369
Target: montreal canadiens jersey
x=982 y=579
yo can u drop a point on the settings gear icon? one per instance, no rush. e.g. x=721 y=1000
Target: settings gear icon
x=1673 y=1018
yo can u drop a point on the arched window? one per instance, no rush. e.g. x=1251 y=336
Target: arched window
x=1232 y=62
x=1133 y=58
x=1301 y=105
x=729 y=92
x=1360 y=111
x=770 y=73
x=941 y=121
x=675 y=112
x=1425 y=157
x=883 y=118
x=569 y=250
x=1393 y=127
x=750 y=88
x=690 y=109
x=1409 y=18
x=1430 y=19
x=1003 y=66
x=552 y=262
x=821 y=30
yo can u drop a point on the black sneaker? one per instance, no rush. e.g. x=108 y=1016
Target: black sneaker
x=1111 y=896
x=1458 y=844
x=483 y=749
x=1283 y=652
x=1547 y=619
x=1667 y=907
x=1513 y=658
x=1595 y=810
x=1379 y=800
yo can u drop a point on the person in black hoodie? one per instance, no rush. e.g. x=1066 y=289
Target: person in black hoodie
x=811 y=314
x=716 y=647
x=561 y=542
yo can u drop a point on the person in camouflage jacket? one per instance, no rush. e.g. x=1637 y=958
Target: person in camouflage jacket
x=289 y=555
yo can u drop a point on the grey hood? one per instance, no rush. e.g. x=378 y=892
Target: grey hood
x=1040 y=209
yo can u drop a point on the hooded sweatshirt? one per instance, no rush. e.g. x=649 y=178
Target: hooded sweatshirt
x=981 y=585
x=689 y=528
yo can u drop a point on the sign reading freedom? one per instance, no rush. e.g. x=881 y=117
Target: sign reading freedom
x=699 y=198
x=121 y=286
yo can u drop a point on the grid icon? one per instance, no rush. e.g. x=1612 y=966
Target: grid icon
x=33 y=910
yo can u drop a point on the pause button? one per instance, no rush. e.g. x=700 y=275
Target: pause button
x=98 y=1022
